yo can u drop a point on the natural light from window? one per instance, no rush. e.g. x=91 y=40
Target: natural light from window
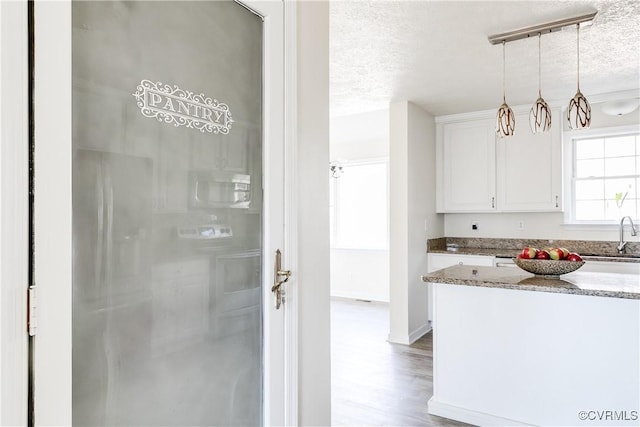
x=359 y=207
x=606 y=177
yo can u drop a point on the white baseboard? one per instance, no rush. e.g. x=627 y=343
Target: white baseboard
x=412 y=337
x=419 y=332
x=357 y=295
x=468 y=416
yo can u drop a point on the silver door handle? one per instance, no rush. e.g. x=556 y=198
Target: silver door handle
x=280 y=277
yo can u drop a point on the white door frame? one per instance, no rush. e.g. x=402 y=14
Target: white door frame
x=53 y=111
x=14 y=212
x=291 y=212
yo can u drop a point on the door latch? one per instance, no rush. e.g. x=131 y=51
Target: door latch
x=280 y=277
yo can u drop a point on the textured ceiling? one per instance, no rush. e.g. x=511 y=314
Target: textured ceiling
x=436 y=53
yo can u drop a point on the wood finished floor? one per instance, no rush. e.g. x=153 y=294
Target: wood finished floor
x=373 y=382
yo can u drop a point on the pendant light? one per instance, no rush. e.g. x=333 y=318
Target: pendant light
x=579 y=111
x=505 y=121
x=540 y=114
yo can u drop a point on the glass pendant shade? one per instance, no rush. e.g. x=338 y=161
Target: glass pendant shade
x=505 y=120
x=579 y=110
x=540 y=114
x=579 y=113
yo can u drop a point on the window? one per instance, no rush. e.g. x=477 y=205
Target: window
x=359 y=218
x=606 y=177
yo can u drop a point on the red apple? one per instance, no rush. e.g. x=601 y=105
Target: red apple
x=543 y=254
x=556 y=254
x=573 y=257
x=565 y=252
x=529 y=253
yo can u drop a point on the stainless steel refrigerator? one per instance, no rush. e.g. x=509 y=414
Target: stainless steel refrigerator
x=112 y=196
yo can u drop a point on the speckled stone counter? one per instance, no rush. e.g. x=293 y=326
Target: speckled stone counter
x=509 y=248
x=595 y=284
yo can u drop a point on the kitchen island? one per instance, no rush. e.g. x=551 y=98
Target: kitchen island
x=511 y=348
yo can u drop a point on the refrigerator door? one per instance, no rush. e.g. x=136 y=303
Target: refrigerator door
x=112 y=272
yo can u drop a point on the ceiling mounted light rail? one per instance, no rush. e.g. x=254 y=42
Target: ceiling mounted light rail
x=578 y=112
x=550 y=27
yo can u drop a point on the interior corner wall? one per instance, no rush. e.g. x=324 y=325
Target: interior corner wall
x=412 y=217
x=398 y=228
x=314 y=340
x=422 y=220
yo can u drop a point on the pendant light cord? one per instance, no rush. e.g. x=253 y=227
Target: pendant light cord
x=578 y=64
x=504 y=74
x=539 y=68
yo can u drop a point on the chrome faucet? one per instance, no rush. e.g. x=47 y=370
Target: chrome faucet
x=622 y=243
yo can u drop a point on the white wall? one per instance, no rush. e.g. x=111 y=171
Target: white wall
x=13 y=213
x=360 y=136
x=412 y=209
x=355 y=273
x=540 y=225
x=360 y=274
x=314 y=358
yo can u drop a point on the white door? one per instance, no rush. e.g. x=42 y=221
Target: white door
x=159 y=158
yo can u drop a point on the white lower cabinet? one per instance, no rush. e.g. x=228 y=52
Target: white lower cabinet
x=180 y=293
x=439 y=261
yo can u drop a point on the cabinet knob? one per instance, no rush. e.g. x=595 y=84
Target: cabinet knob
x=460 y=263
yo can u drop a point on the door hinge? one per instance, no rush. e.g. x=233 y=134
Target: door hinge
x=32 y=311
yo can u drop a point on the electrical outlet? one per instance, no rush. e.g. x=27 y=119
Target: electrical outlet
x=520 y=225
x=475 y=225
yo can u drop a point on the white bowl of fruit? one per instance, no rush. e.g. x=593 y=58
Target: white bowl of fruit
x=549 y=261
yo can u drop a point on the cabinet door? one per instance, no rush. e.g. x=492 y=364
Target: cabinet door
x=180 y=295
x=172 y=171
x=440 y=261
x=530 y=168
x=217 y=152
x=233 y=152
x=469 y=166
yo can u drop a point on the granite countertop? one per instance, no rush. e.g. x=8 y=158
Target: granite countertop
x=508 y=248
x=595 y=284
x=510 y=253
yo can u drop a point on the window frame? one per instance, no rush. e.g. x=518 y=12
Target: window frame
x=570 y=164
x=334 y=206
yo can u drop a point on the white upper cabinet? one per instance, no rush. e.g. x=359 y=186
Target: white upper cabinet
x=479 y=172
x=468 y=167
x=529 y=168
